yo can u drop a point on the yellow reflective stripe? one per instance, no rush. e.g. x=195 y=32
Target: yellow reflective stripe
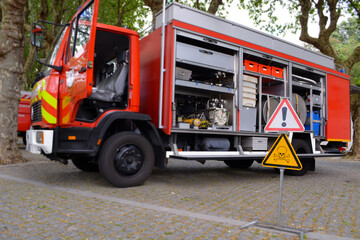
x=65 y=102
x=35 y=99
x=338 y=140
x=47 y=116
x=49 y=99
x=66 y=118
x=36 y=85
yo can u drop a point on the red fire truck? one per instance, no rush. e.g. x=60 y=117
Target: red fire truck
x=199 y=87
x=24 y=120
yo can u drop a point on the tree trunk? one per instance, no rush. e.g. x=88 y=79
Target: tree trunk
x=11 y=69
x=30 y=60
x=214 y=6
x=355 y=111
x=155 y=6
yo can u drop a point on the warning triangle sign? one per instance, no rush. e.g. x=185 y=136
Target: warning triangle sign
x=284 y=118
x=282 y=154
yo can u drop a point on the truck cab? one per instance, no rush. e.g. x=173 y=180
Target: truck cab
x=89 y=91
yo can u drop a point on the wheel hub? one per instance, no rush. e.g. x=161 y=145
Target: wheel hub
x=128 y=160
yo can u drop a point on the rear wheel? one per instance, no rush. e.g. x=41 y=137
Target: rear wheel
x=86 y=165
x=126 y=159
x=301 y=146
x=241 y=164
x=24 y=139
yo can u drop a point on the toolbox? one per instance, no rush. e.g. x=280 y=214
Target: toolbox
x=277 y=72
x=251 y=66
x=182 y=73
x=254 y=143
x=264 y=69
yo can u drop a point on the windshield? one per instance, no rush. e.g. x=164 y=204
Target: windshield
x=50 y=59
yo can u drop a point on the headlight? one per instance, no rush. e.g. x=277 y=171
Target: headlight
x=32 y=113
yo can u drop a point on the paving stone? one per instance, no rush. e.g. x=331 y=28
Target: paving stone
x=313 y=201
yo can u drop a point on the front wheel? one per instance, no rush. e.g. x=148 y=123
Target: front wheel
x=126 y=159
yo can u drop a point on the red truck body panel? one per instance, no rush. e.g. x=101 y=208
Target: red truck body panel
x=338 y=83
x=338 y=109
x=150 y=49
x=24 y=118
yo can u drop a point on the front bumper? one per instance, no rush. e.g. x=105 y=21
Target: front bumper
x=39 y=140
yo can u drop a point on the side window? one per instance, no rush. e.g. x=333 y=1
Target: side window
x=72 y=40
x=80 y=32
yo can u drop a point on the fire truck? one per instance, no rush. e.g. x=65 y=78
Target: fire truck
x=198 y=87
x=24 y=121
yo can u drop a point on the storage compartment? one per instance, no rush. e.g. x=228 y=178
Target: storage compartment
x=264 y=69
x=251 y=66
x=247 y=120
x=268 y=108
x=249 y=85
x=182 y=73
x=215 y=144
x=249 y=95
x=251 y=79
x=249 y=102
x=254 y=143
x=317 y=99
x=202 y=112
x=204 y=57
x=316 y=123
x=277 y=72
x=249 y=90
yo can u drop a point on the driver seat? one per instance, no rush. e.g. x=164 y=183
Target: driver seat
x=113 y=87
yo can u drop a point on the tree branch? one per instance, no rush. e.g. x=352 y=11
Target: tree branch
x=305 y=7
x=356 y=8
x=214 y=6
x=352 y=59
x=322 y=18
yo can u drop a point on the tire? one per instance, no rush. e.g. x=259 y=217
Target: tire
x=301 y=146
x=126 y=159
x=86 y=165
x=242 y=164
x=24 y=139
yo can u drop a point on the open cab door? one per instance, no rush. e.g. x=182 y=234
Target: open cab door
x=77 y=77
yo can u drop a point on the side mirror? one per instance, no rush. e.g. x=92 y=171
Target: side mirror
x=37 y=36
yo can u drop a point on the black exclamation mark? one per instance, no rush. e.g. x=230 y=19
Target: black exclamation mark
x=284 y=110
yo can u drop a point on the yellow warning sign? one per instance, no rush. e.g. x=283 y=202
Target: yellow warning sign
x=282 y=154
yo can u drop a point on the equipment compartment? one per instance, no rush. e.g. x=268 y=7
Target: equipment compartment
x=254 y=143
x=202 y=111
x=206 y=99
x=204 y=57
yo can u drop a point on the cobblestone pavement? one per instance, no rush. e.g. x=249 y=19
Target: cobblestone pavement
x=186 y=200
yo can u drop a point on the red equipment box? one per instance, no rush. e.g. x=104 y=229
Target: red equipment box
x=277 y=72
x=251 y=66
x=264 y=69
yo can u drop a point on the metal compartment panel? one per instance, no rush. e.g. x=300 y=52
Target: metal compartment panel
x=176 y=11
x=206 y=39
x=247 y=119
x=204 y=57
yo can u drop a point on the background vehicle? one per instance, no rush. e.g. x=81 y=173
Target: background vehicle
x=24 y=120
x=112 y=103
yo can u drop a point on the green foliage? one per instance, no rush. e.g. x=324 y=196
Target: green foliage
x=204 y=5
x=130 y=13
x=344 y=40
x=268 y=13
